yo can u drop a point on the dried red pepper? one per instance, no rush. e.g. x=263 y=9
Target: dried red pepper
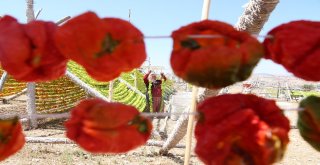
x=309 y=121
x=214 y=62
x=28 y=52
x=102 y=127
x=104 y=47
x=295 y=45
x=240 y=129
x=11 y=137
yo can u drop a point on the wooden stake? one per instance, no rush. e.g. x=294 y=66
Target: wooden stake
x=205 y=15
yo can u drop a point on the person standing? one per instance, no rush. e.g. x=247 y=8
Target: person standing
x=156 y=91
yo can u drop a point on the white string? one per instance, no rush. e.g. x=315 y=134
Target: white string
x=165 y=114
x=208 y=36
x=294 y=109
x=204 y=36
x=150 y=115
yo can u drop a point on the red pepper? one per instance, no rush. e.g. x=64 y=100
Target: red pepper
x=28 y=52
x=295 y=45
x=103 y=127
x=214 y=62
x=309 y=121
x=235 y=129
x=11 y=137
x=104 y=47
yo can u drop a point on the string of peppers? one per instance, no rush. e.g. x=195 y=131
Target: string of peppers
x=230 y=129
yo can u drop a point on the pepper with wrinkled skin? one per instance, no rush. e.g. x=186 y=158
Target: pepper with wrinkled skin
x=236 y=129
x=296 y=46
x=104 y=47
x=28 y=52
x=309 y=121
x=214 y=62
x=11 y=137
x=103 y=127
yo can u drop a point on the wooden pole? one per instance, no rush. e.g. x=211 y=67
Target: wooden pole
x=38 y=13
x=31 y=87
x=135 y=78
x=6 y=100
x=205 y=9
x=256 y=15
x=89 y=90
x=3 y=80
x=135 y=70
x=190 y=125
x=30 y=11
x=31 y=104
x=63 y=20
x=110 y=90
x=68 y=141
x=205 y=15
x=136 y=90
x=288 y=92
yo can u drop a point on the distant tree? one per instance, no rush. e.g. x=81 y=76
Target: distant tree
x=308 y=87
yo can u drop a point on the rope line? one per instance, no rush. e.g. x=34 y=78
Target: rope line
x=150 y=115
x=204 y=36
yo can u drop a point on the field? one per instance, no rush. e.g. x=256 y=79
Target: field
x=298 y=152
x=306 y=93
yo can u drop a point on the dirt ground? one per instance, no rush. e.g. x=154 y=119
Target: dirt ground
x=298 y=152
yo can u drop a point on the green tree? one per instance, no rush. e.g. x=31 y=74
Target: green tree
x=308 y=87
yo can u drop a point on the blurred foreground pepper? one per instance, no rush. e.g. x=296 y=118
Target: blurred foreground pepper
x=103 y=127
x=240 y=129
x=11 y=137
x=309 y=121
x=28 y=51
x=214 y=62
x=296 y=46
x=104 y=47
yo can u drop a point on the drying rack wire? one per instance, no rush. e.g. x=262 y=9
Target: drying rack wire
x=203 y=36
x=149 y=115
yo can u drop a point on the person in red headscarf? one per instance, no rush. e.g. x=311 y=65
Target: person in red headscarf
x=156 y=91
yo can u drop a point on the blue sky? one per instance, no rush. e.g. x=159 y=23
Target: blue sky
x=155 y=17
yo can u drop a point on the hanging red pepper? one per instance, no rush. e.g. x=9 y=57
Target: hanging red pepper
x=11 y=137
x=28 y=52
x=104 y=47
x=213 y=62
x=240 y=129
x=102 y=127
x=296 y=46
x=309 y=121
